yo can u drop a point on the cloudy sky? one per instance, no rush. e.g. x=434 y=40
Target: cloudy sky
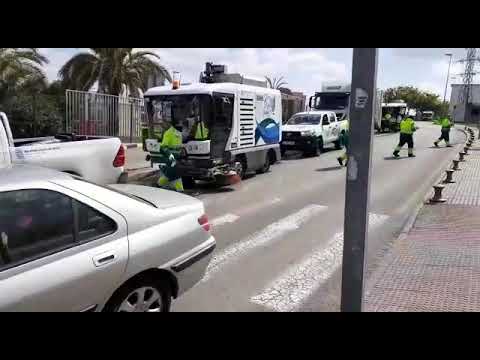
x=303 y=69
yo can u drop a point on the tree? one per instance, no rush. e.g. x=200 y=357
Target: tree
x=417 y=99
x=111 y=68
x=275 y=83
x=21 y=70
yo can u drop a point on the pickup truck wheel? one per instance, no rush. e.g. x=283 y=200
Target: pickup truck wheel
x=319 y=148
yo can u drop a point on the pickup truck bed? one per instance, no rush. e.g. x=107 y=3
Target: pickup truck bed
x=97 y=159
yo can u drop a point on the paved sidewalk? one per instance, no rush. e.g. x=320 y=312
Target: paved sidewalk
x=436 y=265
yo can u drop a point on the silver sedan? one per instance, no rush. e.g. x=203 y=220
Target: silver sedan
x=70 y=245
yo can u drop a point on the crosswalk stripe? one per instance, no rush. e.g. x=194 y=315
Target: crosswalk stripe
x=231 y=218
x=263 y=237
x=225 y=219
x=292 y=288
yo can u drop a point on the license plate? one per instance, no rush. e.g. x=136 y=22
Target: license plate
x=289 y=143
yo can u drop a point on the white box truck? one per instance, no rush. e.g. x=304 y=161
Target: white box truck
x=335 y=96
x=242 y=115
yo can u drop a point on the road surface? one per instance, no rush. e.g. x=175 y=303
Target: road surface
x=280 y=235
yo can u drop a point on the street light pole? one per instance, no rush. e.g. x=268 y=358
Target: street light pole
x=448 y=76
x=357 y=194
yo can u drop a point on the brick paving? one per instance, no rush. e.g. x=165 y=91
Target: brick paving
x=436 y=267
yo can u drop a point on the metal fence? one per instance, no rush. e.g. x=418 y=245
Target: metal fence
x=89 y=113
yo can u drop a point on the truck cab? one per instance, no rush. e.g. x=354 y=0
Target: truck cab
x=333 y=97
x=310 y=131
x=427 y=115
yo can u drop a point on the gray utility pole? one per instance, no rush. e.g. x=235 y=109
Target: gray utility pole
x=364 y=81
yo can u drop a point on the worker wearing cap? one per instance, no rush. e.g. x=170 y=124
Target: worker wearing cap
x=169 y=148
x=344 y=141
x=446 y=125
x=407 y=128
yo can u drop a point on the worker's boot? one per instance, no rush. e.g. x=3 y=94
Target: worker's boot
x=411 y=155
x=396 y=154
x=435 y=143
x=448 y=145
x=340 y=161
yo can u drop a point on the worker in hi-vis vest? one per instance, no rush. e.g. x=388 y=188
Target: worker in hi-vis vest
x=170 y=149
x=407 y=128
x=344 y=137
x=446 y=125
x=200 y=130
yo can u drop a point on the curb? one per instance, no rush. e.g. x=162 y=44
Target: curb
x=140 y=175
x=412 y=218
x=132 y=146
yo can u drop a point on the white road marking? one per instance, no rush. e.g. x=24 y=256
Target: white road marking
x=291 y=289
x=262 y=238
x=225 y=219
x=230 y=218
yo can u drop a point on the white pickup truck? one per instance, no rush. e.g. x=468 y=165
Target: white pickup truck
x=310 y=131
x=97 y=159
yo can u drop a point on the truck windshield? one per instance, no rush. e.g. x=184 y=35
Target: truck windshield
x=304 y=120
x=183 y=111
x=332 y=101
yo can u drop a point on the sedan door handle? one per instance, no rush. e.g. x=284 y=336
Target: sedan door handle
x=103 y=259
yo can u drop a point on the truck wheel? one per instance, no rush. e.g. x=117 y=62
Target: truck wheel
x=243 y=162
x=319 y=149
x=266 y=165
x=188 y=182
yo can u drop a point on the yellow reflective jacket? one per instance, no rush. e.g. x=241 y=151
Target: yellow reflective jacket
x=407 y=126
x=201 y=133
x=446 y=123
x=172 y=138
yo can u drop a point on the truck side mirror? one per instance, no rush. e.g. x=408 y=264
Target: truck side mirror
x=310 y=102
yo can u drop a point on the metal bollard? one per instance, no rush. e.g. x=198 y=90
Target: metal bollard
x=455 y=165
x=461 y=156
x=465 y=150
x=449 y=178
x=437 y=196
x=469 y=143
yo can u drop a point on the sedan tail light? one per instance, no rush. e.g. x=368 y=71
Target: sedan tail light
x=119 y=160
x=203 y=221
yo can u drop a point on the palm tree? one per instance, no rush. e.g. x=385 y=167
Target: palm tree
x=21 y=69
x=111 y=68
x=275 y=83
